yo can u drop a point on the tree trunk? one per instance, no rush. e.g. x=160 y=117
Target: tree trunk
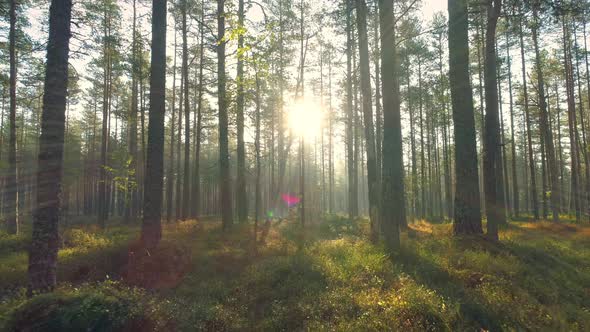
x=11 y=179
x=187 y=130
x=242 y=197
x=467 y=201
x=45 y=242
x=393 y=213
x=196 y=203
x=571 y=114
x=224 y=166
x=132 y=205
x=170 y=177
x=361 y=10
x=352 y=191
x=533 y=189
x=495 y=209
x=151 y=231
x=547 y=134
x=515 y=192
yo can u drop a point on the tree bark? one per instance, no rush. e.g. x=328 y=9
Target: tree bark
x=187 y=130
x=372 y=180
x=495 y=208
x=45 y=237
x=11 y=185
x=467 y=200
x=352 y=191
x=393 y=213
x=224 y=164
x=151 y=231
x=547 y=134
x=533 y=189
x=242 y=197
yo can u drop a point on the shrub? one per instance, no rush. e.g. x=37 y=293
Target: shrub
x=107 y=306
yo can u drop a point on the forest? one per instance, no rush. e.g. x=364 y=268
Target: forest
x=294 y=165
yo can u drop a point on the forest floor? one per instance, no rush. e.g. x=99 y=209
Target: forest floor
x=536 y=278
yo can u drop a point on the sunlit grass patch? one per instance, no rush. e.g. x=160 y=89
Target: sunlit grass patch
x=330 y=277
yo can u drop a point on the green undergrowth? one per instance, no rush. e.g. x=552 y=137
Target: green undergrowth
x=106 y=306
x=328 y=277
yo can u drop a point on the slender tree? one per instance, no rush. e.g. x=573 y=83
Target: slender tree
x=11 y=185
x=187 y=131
x=242 y=197
x=546 y=132
x=224 y=166
x=373 y=186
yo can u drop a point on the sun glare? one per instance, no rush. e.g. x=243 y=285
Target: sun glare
x=305 y=119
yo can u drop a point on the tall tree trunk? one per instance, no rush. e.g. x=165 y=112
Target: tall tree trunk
x=414 y=199
x=393 y=213
x=197 y=176
x=515 y=192
x=242 y=197
x=373 y=186
x=495 y=208
x=378 y=112
x=547 y=134
x=352 y=191
x=467 y=200
x=423 y=200
x=132 y=208
x=11 y=179
x=258 y=203
x=151 y=231
x=533 y=189
x=179 y=179
x=445 y=120
x=45 y=237
x=582 y=142
x=560 y=151
x=571 y=114
x=187 y=130
x=170 y=178
x=224 y=166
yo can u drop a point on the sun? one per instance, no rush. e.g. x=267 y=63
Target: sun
x=305 y=119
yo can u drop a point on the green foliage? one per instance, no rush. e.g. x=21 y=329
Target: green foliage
x=106 y=306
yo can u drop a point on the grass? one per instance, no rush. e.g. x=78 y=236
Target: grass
x=536 y=278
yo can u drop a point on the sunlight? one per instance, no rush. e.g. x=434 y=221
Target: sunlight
x=305 y=119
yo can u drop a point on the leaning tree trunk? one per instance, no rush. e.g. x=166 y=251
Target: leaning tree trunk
x=151 y=231
x=467 y=200
x=45 y=237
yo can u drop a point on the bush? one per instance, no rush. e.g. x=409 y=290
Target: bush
x=107 y=306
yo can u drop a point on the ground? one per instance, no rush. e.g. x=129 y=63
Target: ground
x=536 y=278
